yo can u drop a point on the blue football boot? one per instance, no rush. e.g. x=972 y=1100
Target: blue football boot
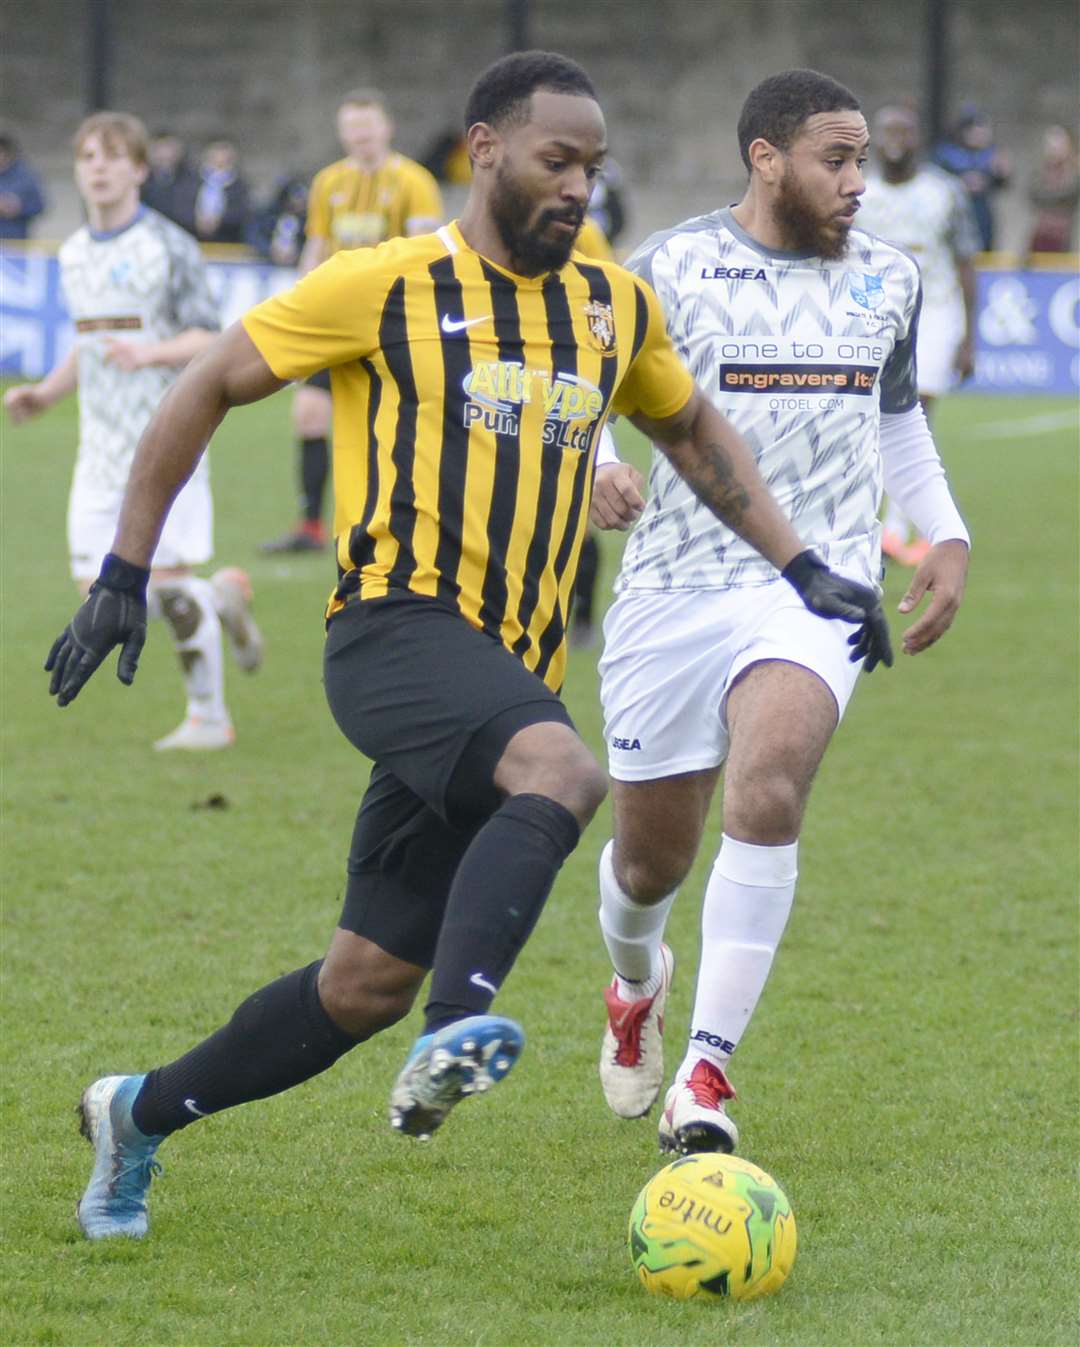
x=115 y=1199
x=463 y=1058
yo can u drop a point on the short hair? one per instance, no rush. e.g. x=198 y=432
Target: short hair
x=776 y=110
x=115 y=128
x=363 y=98
x=502 y=93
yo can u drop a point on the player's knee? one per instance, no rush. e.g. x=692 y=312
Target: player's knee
x=549 y=759
x=646 y=877
x=179 y=609
x=590 y=785
x=359 y=1005
x=766 y=810
x=577 y=782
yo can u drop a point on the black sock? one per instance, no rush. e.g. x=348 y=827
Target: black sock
x=278 y=1038
x=585 y=584
x=497 y=895
x=314 y=468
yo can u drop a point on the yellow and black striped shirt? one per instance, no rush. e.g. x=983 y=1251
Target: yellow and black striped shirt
x=468 y=402
x=351 y=208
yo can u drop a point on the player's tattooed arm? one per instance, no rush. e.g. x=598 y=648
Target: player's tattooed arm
x=713 y=458
x=712 y=476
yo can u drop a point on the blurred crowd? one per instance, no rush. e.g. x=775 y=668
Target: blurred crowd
x=208 y=194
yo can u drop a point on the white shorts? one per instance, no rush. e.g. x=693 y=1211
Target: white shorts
x=186 y=540
x=941 y=330
x=671 y=657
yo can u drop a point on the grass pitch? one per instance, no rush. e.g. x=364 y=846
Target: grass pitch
x=910 y=1078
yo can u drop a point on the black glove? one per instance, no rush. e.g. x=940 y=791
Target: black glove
x=114 y=613
x=830 y=595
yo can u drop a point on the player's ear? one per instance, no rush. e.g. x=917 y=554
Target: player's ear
x=766 y=161
x=482 y=142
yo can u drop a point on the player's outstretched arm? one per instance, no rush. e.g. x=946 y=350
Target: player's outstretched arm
x=227 y=374
x=714 y=460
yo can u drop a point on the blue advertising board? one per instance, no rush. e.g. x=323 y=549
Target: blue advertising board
x=1027 y=335
x=1028 y=332
x=35 y=332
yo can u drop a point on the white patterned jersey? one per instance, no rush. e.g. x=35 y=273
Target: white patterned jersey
x=144 y=282
x=802 y=355
x=930 y=217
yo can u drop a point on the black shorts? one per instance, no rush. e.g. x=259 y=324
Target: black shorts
x=320 y=379
x=433 y=702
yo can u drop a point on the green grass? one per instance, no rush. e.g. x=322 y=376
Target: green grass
x=910 y=1078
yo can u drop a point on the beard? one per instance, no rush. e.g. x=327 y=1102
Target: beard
x=804 y=231
x=522 y=230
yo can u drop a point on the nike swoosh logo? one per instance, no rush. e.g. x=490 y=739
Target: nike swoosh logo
x=189 y=1104
x=452 y=325
x=478 y=980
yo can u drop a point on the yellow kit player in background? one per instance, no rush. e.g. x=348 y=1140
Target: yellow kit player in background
x=371 y=195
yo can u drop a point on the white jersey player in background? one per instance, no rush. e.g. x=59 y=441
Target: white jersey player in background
x=803 y=327
x=137 y=293
x=926 y=212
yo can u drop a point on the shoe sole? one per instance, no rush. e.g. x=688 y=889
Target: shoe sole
x=698 y=1138
x=472 y=1066
x=88 y=1119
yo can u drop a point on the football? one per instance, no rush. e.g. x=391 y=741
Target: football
x=712 y=1226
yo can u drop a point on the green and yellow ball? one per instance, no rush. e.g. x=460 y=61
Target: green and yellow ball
x=713 y=1226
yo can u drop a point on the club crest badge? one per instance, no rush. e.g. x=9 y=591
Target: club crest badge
x=867 y=290
x=601 y=321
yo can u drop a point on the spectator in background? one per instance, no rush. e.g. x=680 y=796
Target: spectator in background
x=172 y=184
x=917 y=207
x=1054 y=193
x=278 y=231
x=971 y=155
x=221 y=205
x=21 y=196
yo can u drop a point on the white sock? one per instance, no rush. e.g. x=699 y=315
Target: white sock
x=188 y=607
x=895 y=520
x=632 y=933
x=747 y=903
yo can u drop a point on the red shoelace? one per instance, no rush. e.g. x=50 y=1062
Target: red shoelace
x=626 y=1019
x=709 y=1086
